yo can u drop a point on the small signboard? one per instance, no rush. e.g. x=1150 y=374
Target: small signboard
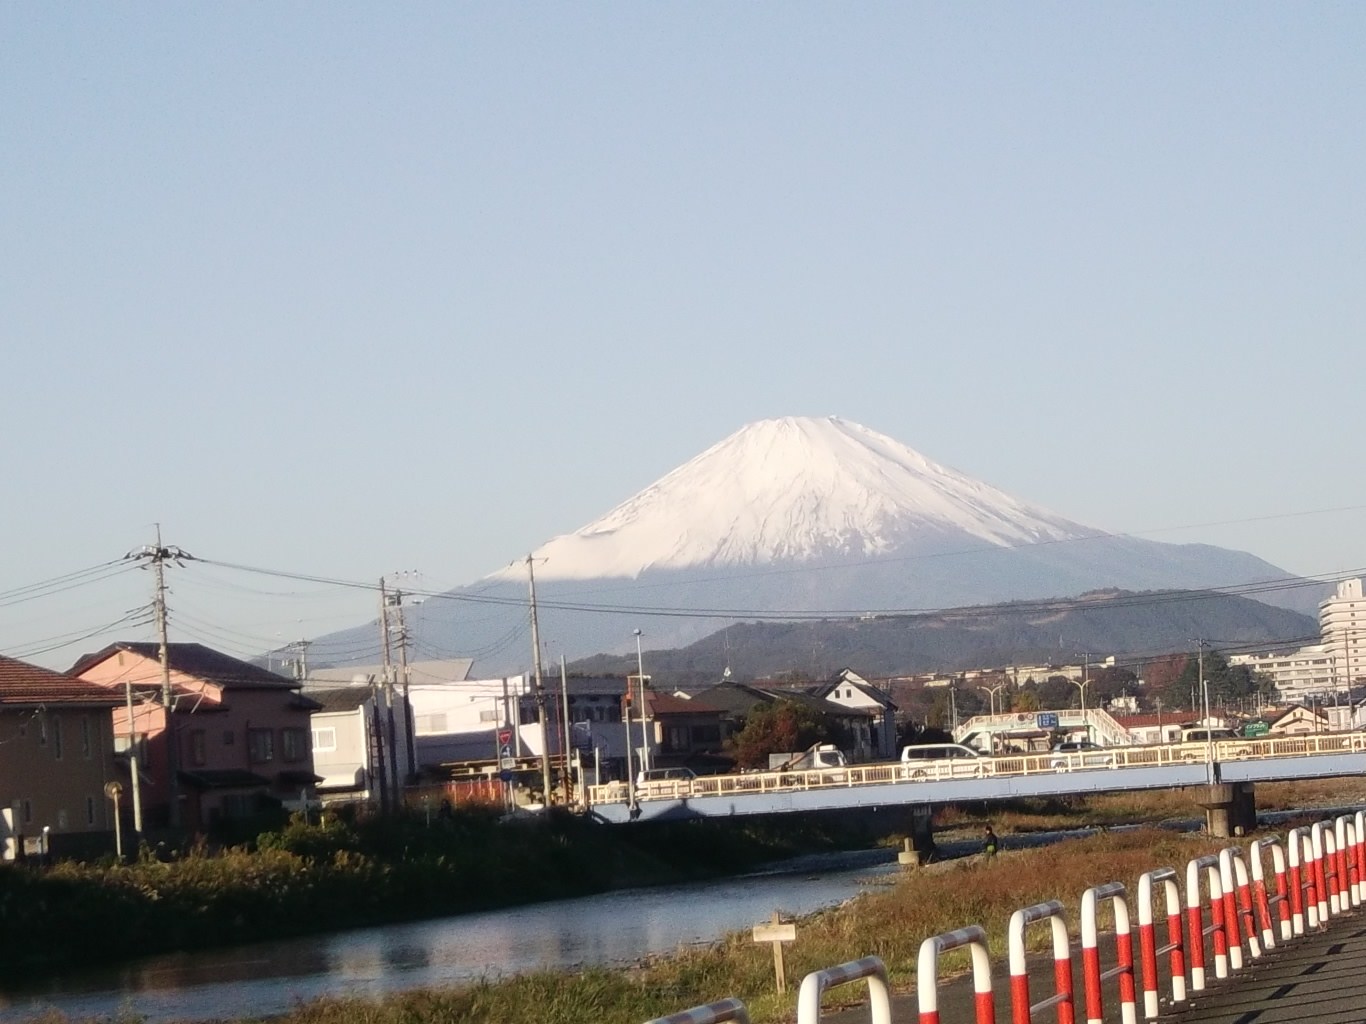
x=776 y=932
x=1047 y=719
x=1256 y=729
x=504 y=737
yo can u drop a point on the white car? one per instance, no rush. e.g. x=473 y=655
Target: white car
x=942 y=761
x=1080 y=754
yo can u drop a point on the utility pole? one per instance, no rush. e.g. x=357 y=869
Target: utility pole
x=407 y=687
x=539 y=691
x=388 y=673
x=564 y=716
x=158 y=555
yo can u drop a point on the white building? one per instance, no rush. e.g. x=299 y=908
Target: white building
x=1328 y=669
x=1342 y=622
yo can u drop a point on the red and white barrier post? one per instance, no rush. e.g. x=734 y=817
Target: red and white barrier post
x=1022 y=1010
x=1238 y=920
x=1264 y=900
x=1195 y=925
x=816 y=983
x=1359 y=820
x=1149 y=950
x=927 y=973
x=1124 y=951
x=1304 y=910
x=1344 y=833
x=1324 y=874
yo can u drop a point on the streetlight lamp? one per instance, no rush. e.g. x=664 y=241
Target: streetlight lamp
x=991 y=692
x=1081 y=688
x=644 y=710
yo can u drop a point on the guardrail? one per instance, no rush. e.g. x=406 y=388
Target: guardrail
x=1010 y=765
x=1232 y=900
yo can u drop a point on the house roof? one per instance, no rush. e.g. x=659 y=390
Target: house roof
x=341 y=698
x=668 y=704
x=25 y=685
x=196 y=660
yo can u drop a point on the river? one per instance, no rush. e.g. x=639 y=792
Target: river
x=610 y=928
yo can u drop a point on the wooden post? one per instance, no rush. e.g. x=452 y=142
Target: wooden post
x=777 y=933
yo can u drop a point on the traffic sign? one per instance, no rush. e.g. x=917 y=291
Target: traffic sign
x=505 y=751
x=505 y=775
x=504 y=737
x=1048 y=719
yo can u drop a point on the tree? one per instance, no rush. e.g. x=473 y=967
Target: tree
x=777 y=727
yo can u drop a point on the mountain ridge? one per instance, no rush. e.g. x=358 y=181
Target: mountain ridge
x=799 y=515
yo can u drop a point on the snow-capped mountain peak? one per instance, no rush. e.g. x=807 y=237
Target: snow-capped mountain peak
x=797 y=489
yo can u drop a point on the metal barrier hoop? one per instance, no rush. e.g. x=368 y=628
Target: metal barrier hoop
x=1022 y=1010
x=1303 y=912
x=1124 y=950
x=1325 y=850
x=1196 y=931
x=927 y=973
x=711 y=1013
x=1238 y=919
x=1147 y=938
x=815 y=983
x=1264 y=900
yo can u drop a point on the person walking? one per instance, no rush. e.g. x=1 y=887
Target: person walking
x=990 y=844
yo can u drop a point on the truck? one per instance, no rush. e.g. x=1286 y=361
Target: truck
x=819 y=755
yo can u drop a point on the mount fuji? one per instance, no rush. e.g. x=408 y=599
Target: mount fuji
x=793 y=518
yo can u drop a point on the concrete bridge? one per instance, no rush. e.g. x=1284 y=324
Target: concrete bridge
x=1225 y=772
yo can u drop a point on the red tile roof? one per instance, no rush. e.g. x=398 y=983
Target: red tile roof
x=25 y=685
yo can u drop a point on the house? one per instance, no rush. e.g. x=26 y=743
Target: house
x=361 y=748
x=735 y=700
x=56 y=758
x=849 y=689
x=1298 y=720
x=1149 y=729
x=687 y=733
x=238 y=736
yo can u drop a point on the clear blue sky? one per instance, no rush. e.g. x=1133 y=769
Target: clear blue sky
x=350 y=289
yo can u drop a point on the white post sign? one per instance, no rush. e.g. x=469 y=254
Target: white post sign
x=777 y=933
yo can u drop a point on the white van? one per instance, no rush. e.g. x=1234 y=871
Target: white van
x=942 y=761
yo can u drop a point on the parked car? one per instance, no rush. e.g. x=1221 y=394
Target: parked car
x=664 y=781
x=941 y=760
x=1080 y=754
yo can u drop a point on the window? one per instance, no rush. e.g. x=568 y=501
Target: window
x=228 y=738
x=260 y=746
x=90 y=810
x=325 y=739
x=85 y=737
x=198 y=752
x=293 y=744
x=488 y=716
x=28 y=812
x=57 y=737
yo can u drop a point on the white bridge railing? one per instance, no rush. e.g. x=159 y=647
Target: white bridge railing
x=884 y=772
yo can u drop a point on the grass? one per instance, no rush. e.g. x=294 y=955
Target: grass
x=890 y=923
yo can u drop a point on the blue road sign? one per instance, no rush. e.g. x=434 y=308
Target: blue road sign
x=1048 y=719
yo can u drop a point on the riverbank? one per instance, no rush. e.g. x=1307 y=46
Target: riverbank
x=318 y=878
x=889 y=922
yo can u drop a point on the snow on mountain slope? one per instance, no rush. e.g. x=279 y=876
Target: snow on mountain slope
x=796 y=489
